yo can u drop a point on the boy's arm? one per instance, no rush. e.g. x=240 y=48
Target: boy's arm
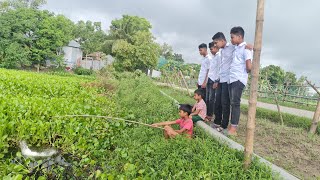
x=163 y=123
x=204 y=84
x=248 y=65
x=248 y=57
x=196 y=112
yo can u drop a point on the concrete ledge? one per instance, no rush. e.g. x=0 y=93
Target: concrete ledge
x=277 y=171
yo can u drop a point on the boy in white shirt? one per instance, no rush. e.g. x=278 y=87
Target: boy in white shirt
x=205 y=64
x=213 y=79
x=239 y=69
x=222 y=104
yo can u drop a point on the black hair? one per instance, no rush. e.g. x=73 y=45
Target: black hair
x=211 y=45
x=237 y=31
x=186 y=108
x=219 y=36
x=199 y=92
x=203 y=45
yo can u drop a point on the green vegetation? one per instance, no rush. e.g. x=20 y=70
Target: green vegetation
x=83 y=71
x=98 y=148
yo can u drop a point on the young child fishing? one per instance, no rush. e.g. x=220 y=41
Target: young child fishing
x=185 y=123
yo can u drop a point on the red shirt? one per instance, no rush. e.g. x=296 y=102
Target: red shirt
x=186 y=124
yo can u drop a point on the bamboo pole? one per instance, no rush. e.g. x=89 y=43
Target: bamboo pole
x=185 y=82
x=254 y=85
x=316 y=116
x=107 y=117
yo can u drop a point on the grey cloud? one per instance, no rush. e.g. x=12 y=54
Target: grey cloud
x=289 y=26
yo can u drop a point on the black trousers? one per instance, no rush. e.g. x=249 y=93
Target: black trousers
x=235 y=92
x=211 y=96
x=222 y=105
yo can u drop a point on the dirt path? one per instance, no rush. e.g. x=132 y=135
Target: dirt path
x=273 y=107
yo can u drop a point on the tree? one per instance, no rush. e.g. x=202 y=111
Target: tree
x=5 y=5
x=274 y=74
x=142 y=54
x=126 y=27
x=178 y=57
x=290 y=77
x=166 y=51
x=132 y=43
x=90 y=36
x=37 y=35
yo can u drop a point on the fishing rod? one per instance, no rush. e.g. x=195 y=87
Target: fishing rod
x=108 y=117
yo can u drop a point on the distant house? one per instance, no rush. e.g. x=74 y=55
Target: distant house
x=72 y=54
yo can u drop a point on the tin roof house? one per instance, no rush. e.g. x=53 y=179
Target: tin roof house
x=72 y=54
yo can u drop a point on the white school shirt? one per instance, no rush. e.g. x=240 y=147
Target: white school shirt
x=214 y=67
x=226 y=60
x=238 y=70
x=205 y=65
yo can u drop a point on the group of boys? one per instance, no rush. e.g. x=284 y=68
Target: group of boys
x=222 y=78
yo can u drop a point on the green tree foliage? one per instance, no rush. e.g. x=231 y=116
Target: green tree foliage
x=167 y=52
x=274 y=74
x=126 y=27
x=29 y=36
x=5 y=5
x=143 y=53
x=90 y=35
x=133 y=44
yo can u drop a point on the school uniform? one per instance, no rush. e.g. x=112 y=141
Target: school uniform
x=213 y=76
x=222 y=104
x=238 y=79
x=205 y=65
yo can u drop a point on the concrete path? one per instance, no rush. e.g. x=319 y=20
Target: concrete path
x=273 y=107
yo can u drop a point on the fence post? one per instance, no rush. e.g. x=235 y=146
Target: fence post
x=285 y=92
x=184 y=80
x=316 y=115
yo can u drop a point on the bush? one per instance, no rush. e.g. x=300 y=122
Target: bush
x=83 y=71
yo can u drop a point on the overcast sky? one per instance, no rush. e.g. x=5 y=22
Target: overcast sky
x=289 y=26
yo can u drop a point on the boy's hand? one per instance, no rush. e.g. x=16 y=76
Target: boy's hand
x=204 y=85
x=249 y=47
x=190 y=117
x=215 y=85
x=155 y=125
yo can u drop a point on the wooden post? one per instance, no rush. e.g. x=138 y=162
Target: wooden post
x=285 y=92
x=254 y=85
x=277 y=102
x=316 y=116
x=185 y=83
x=167 y=79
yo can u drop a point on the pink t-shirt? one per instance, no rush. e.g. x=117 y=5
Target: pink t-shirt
x=202 y=107
x=186 y=124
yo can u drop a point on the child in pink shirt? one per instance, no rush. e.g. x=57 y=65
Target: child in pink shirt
x=199 y=110
x=185 y=123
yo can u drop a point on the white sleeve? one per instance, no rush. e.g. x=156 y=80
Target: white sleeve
x=208 y=64
x=247 y=55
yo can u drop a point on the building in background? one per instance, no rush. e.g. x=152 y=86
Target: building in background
x=72 y=54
